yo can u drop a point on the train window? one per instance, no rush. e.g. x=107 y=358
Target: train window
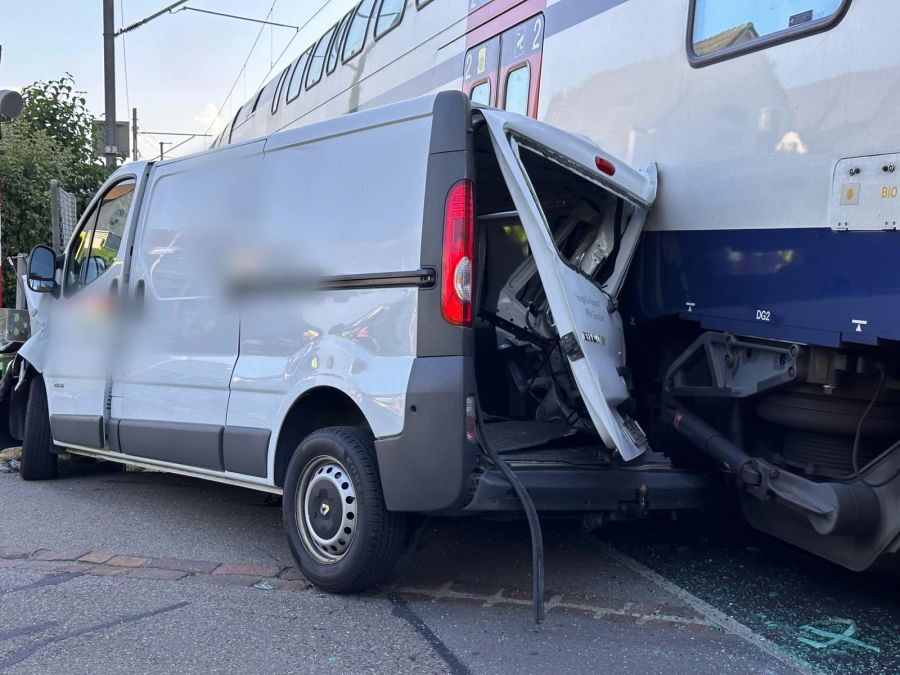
x=256 y=101
x=277 y=97
x=481 y=93
x=234 y=123
x=294 y=85
x=518 y=86
x=335 y=51
x=389 y=16
x=359 y=27
x=719 y=29
x=317 y=60
x=481 y=67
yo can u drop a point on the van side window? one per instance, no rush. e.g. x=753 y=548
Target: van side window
x=518 y=86
x=389 y=16
x=334 y=53
x=317 y=60
x=729 y=26
x=296 y=82
x=94 y=248
x=359 y=26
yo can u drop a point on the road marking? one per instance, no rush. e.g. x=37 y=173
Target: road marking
x=832 y=638
x=555 y=602
x=402 y=610
x=714 y=615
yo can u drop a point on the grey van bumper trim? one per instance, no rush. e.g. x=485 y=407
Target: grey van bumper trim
x=84 y=430
x=427 y=467
x=627 y=490
x=177 y=442
x=243 y=450
x=246 y=450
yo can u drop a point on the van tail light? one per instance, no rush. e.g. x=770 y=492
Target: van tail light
x=459 y=245
x=606 y=166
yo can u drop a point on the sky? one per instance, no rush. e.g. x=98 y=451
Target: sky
x=180 y=67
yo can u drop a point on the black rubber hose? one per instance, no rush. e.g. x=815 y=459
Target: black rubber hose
x=854 y=455
x=534 y=523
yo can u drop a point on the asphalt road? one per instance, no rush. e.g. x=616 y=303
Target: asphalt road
x=651 y=599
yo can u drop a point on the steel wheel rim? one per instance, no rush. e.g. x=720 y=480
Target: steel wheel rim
x=326 y=509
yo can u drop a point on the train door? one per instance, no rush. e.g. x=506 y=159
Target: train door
x=503 y=60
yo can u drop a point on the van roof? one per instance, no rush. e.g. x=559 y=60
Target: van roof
x=421 y=106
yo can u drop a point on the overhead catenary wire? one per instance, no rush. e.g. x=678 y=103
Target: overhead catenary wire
x=237 y=79
x=857 y=438
x=291 y=41
x=124 y=56
x=187 y=140
x=171 y=8
x=240 y=72
x=276 y=61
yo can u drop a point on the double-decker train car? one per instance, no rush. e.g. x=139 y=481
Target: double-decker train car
x=763 y=334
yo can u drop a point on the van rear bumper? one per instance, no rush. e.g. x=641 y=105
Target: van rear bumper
x=427 y=467
x=629 y=491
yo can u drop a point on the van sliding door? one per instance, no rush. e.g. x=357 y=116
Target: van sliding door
x=581 y=287
x=170 y=398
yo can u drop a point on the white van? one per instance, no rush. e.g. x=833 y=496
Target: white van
x=363 y=315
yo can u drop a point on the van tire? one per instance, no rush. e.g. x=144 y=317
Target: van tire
x=38 y=459
x=378 y=535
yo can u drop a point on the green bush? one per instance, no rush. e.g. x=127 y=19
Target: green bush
x=51 y=139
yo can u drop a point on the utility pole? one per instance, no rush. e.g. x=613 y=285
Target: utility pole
x=162 y=149
x=109 y=80
x=134 y=134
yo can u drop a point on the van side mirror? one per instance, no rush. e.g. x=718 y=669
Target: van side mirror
x=42 y=270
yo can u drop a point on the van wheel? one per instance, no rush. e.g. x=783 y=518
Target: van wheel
x=340 y=532
x=38 y=459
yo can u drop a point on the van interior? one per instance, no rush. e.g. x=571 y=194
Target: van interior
x=528 y=398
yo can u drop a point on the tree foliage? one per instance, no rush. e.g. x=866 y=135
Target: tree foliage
x=51 y=139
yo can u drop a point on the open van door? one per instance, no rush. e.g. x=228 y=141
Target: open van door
x=584 y=309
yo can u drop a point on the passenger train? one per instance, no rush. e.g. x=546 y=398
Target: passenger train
x=760 y=301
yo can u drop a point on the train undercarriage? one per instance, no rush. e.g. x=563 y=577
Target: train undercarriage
x=809 y=436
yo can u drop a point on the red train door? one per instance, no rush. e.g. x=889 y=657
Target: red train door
x=504 y=47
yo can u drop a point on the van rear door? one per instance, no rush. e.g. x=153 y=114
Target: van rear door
x=584 y=309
